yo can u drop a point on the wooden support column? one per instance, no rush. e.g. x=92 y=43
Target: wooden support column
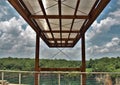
x=83 y=59
x=37 y=60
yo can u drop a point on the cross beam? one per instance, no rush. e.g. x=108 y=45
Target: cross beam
x=58 y=17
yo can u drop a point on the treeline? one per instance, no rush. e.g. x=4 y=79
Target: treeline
x=17 y=64
x=26 y=64
x=105 y=64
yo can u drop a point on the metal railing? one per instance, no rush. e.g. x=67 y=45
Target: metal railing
x=58 y=78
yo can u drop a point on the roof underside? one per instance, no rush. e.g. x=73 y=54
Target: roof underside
x=60 y=23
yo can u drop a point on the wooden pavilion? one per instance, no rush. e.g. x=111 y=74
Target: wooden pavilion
x=60 y=23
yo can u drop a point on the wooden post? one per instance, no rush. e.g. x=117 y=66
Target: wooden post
x=37 y=60
x=83 y=60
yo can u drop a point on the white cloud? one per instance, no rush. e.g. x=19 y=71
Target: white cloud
x=118 y=2
x=19 y=42
x=103 y=50
x=115 y=13
x=4 y=9
x=1 y=15
x=105 y=24
x=102 y=26
x=16 y=40
x=114 y=42
x=54 y=53
x=110 y=47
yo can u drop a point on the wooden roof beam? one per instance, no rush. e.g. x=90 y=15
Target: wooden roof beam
x=63 y=44
x=58 y=39
x=63 y=31
x=59 y=45
x=57 y=16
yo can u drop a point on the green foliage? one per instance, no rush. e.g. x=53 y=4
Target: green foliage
x=16 y=64
x=105 y=64
x=97 y=65
x=59 y=63
x=89 y=69
x=27 y=64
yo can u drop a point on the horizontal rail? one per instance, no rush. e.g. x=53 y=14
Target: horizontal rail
x=56 y=72
x=57 y=77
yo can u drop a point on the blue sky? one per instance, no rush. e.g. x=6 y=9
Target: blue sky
x=17 y=39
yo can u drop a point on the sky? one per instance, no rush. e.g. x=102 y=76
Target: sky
x=17 y=39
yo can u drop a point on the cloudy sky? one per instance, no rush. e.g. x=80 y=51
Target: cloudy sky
x=17 y=39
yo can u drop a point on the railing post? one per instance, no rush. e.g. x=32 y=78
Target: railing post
x=19 y=78
x=81 y=79
x=58 y=78
x=2 y=78
x=39 y=79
